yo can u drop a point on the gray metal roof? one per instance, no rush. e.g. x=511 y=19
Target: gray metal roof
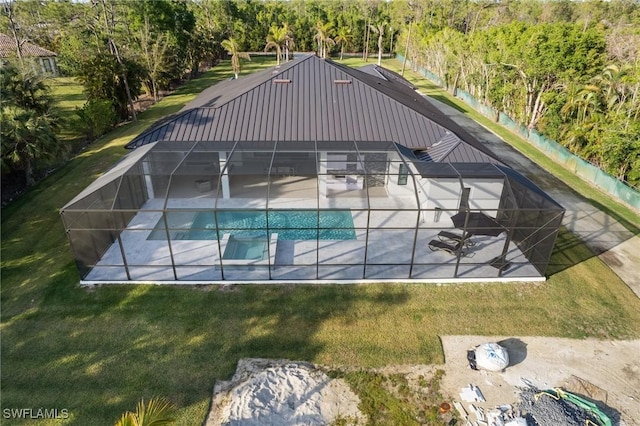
x=371 y=69
x=312 y=99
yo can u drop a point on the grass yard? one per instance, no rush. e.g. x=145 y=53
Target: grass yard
x=96 y=352
x=68 y=95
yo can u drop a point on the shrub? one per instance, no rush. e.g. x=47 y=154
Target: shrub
x=98 y=117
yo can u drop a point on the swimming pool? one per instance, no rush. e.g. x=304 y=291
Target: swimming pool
x=289 y=225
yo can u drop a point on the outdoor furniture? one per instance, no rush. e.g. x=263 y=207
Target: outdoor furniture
x=477 y=223
x=451 y=237
x=203 y=185
x=285 y=171
x=452 y=249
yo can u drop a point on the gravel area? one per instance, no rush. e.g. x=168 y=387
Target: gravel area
x=544 y=410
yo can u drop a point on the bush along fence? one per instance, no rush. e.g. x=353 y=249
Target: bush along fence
x=552 y=149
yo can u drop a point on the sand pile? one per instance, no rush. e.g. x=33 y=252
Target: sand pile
x=270 y=392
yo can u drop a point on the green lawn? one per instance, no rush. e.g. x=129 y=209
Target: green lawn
x=68 y=95
x=98 y=351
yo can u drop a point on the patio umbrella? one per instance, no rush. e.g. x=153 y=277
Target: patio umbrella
x=477 y=224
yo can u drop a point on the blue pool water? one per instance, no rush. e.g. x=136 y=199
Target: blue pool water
x=289 y=225
x=246 y=249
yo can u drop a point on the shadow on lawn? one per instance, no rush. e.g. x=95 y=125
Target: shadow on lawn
x=98 y=351
x=445 y=100
x=570 y=250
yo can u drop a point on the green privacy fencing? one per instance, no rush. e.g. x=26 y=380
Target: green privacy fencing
x=557 y=152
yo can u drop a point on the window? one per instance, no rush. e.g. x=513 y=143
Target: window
x=46 y=63
x=403 y=174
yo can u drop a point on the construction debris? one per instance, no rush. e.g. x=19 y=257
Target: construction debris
x=471 y=393
x=463 y=413
x=478 y=411
x=557 y=407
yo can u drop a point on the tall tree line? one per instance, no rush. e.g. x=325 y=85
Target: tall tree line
x=568 y=69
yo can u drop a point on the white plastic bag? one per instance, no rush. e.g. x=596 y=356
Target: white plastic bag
x=492 y=357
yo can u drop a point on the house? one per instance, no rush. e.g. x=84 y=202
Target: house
x=43 y=60
x=311 y=172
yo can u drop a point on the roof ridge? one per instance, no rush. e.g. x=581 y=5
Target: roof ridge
x=453 y=146
x=267 y=71
x=396 y=83
x=273 y=76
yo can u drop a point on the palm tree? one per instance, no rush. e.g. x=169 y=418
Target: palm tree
x=322 y=37
x=379 y=29
x=289 y=42
x=28 y=136
x=611 y=85
x=25 y=88
x=573 y=107
x=28 y=124
x=277 y=38
x=344 y=37
x=157 y=412
x=231 y=46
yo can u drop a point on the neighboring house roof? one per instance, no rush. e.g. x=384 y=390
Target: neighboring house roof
x=8 y=48
x=312 y=99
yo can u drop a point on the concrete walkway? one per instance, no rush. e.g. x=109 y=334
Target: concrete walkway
x=616 y=246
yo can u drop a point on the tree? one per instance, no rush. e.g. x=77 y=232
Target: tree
x=102 y=79
x=154 y=56
x=9 y=10
x=343 y=37
x=289 y=43
x=156 y=412
x=379 y=29
x=109 y=23
x=27 y=136
x=28 y=123
x=277 y=39
x=231 y=46
x=322 y=37
x=602 y=122
x=24 y=88
x=214 y=21
x=173 y=22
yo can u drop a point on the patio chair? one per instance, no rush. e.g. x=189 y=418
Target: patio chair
x=447 y=236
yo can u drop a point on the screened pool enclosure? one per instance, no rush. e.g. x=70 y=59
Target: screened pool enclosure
x=199 y=212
